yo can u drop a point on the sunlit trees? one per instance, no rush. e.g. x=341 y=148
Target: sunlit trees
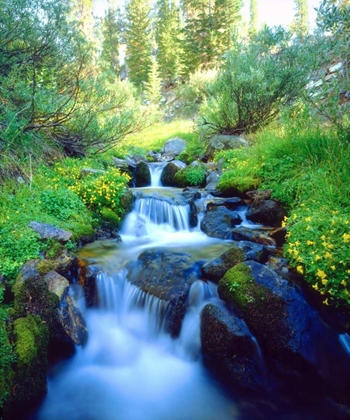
x=301 y=18
x=138 y=41
x=253 y=21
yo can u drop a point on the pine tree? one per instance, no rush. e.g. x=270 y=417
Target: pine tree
x=82 y=12
x=111 y=34
x=301 y=22
x=167 y=35
x=253 y=22
x=153 y=86
x=138 y=41
x=208 y=31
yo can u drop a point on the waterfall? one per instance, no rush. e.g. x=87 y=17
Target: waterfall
x=156 y=170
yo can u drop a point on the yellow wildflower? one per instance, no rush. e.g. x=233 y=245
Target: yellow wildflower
x=333 y=267
x=323 y=238
x=326 y=302
x=310 y=242
x=328 y=255
x=346 y=237
x=343 y=283
x=317 y=257
x=321 y=274
x=314 y=286
x=300 y=269
x=324 y=281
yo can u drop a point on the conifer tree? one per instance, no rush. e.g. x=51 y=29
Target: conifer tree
x=153 y=86
x=253 y=22
x=301 y=22
x=167 y=35
x=138 y=41
x=111 y=34
x=82 y=12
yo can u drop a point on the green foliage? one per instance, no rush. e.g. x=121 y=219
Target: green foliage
x=61 y=203
x=111 y=217
x=192 y=175
x=238 y=287
x=255 y=81
x=138 y=41
x=232 y=183
x=152 y=91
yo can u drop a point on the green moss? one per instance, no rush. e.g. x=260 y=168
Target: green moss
x=230 y=183
x=111 y=217
x=239 y=287
x=82 y=230
x=44 y=266
x=191 y=176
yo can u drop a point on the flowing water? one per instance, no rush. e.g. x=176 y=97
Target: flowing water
x=132 y=369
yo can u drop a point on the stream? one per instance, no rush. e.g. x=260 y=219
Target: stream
x=131 y=367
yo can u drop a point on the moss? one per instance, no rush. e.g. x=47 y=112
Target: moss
x=111 y=217
x=31 y=343
x=191 y=176
x=44 y=266
x=7 y=358
x=239 y=287
x=231 y=184
x=54 y=249
x=83 y=231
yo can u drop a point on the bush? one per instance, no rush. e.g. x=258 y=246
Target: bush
x=255 y=81
x=193 y=175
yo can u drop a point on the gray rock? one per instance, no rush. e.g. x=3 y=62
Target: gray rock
x=224 y=142
x=219 y=221
x=69 y=314
x=133 y=160
x=174 y=147
x=142 y=175
x=252 y=235
x=267 y=212
x=229 y=349
x=50 y=232
x=215 y=269
x=212 y=180
x=253 y=251
x=169 y=171
x=120 y=163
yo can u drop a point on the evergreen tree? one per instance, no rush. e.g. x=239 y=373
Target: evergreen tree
x=168 y=33
x=82 y=12
x=138 y=41
x=152 y=87
x=253 y=22
x=208 y=31
x=301 y=22
x=111 y=35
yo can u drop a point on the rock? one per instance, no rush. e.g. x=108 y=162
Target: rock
x=229 y=349
x=142 y=175
x=297 y=343
x=212 y=180
x=215 y=269
x=157 y=157
x=252 y=235
x=267 y=212
x=253 y=251
x=61 y=263
x=133 y=160
x=230 y=203
x=168 y=276
x=279 y=236
x=51 y=232
x=29 y=271
x=259 y=194
x=174 y=147
x=69 y=314
x=87 y=278
x=224 y=142
x=120 y=163
x=169 y=171
x=219 y=221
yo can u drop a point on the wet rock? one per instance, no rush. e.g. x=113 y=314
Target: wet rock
x=142 y=175
x=121 y=163
x=169 y=171
x=229 y=349
x=223 y=142
x=87 y=278
x=219 y=221
x=174 y=147
x=212 y=180
x=279 y=236
x=252 y=235
x=298 y=344
x=230 y=203
x=51 y=232
x=267 y=212
x=29 y=271
x=134 y=160
x=259 y=194
x=215 y=269
x=253 y=251
x=168 y=276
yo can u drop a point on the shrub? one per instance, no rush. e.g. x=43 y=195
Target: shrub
x=61 y=202
x=193 y=175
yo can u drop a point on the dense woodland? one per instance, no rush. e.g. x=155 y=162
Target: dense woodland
x=76 y=90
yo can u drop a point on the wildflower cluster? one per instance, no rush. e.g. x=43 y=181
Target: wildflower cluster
x=105 y=190
x=318 y=244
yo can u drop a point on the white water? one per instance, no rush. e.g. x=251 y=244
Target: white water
x=131 y=369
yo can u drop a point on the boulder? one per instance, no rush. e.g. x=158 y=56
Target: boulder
x=223 y=142
x=215 y=269
x=229 y=350
x=133 y=160
x=296 y=341
x=174 y=147
x=252 y=235
x=168 y=276
x=69 y=314
x=267 y=212
x=142 y=175
x=230 y=203
x=87 y=278
x=121 y=163
x=212 y=180
x=50 y=232
x=219 y=221
x=169 y=171
x=253 y=251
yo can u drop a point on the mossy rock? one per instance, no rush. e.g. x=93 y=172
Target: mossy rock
x=239 y=287
x=110 y=217
x=31 y=343
x=83 y=232
x=193 y=175
x=231 y=185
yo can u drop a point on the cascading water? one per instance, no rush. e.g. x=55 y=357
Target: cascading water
x=131 y=368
